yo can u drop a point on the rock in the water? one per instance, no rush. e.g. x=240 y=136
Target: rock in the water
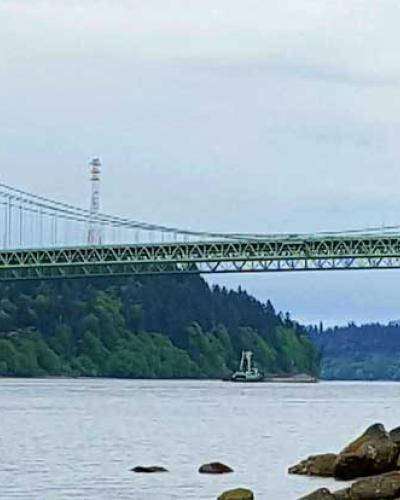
x=215 y=468
x=341 y=494
x=373 y=452
x=315 y=465
x=394 y=435
x=237 y=494
x=321 y=494
x=148 y=470
x=383 y=487
x=375 y=431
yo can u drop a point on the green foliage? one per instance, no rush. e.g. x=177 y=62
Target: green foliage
x=366 y=352
x=8 y=358
x=47 y=359
x=107 y=328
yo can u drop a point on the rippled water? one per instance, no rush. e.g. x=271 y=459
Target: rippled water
x=69 y=439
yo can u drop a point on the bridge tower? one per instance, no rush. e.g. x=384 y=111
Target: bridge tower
x=94 y=232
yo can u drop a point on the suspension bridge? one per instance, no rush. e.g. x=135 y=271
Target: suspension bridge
x=42 y=238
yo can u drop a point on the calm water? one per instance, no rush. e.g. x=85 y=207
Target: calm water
x=70 y=439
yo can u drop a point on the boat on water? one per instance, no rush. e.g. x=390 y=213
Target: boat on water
x=248 y=371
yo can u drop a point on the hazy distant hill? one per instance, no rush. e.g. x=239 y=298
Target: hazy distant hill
x=369 y=351
x=152 y=327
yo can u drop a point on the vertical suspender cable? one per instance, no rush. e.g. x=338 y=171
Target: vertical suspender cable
x=20 y=225
x=55 y=229
x=41 y=227
x=9 y=222
x=5 y=225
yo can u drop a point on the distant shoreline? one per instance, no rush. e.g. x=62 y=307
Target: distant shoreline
x=278 y=381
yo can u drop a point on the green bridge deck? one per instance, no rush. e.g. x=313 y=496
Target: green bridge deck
x=283 y=254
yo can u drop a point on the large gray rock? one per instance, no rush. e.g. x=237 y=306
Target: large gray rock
x=237 y=494
x=373 y=452
x=215 y=468
x=315 y=465
x=394 y=435
x=382 y=487
x=321 y=494
x=341 y=494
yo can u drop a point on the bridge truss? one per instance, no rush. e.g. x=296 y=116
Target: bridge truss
x=41 y=238
x=275 y=254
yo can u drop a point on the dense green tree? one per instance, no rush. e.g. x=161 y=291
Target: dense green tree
x=147 y=327
x=8 y=358
x=365 y=352
x=47 y=359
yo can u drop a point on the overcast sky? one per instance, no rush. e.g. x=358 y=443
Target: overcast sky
x=223 y=115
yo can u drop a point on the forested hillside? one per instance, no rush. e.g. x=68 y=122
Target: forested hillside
x=153 y=327
x=368 y=352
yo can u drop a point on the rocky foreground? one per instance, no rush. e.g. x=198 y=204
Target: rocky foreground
x=212 y=468
x=372 y=460
x=374 y=457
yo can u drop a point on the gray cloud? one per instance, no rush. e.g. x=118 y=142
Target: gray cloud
x=277 y=116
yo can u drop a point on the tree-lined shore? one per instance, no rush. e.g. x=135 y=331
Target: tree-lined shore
x=155 y=327
x=359 y=352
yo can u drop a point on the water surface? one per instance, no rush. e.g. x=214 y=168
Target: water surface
x=77 y=439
